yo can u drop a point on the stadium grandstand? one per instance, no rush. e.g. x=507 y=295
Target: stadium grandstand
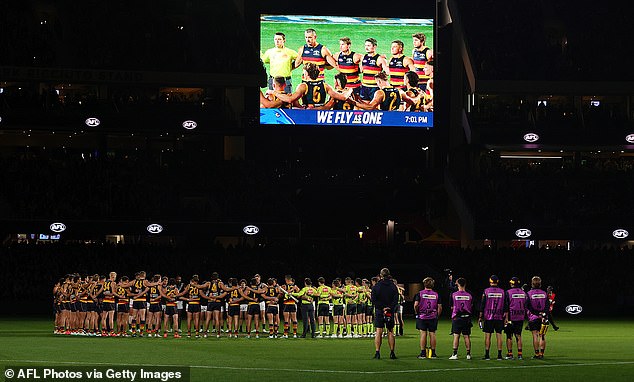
x=119 y=115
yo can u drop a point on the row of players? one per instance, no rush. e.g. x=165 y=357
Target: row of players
x=79 y=302
x=499 y=311
x=359 y=74
x=82 y=304
x=313 y=93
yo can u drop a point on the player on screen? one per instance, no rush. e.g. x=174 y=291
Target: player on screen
x=537 y=306
x=387 y=98
x=281 y=60
x=428 y=99
x=413 y=91
x=399 y=64
x=312 y=90
x=313 y=52
x=421 y=54
x=492 y=308
x=461 y=310
x=371 y=65
x=348 y=63
x=515 y=314
x=270 y=100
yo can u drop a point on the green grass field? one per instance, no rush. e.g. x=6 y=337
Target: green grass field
x=329 y=35
x=582 y=350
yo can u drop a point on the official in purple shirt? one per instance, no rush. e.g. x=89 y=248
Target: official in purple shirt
x=492 y=311
x=514 y=318
x=461 y=310
x=537 y=306
x=428 y=307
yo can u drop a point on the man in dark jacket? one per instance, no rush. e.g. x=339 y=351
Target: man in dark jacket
x=385 y=301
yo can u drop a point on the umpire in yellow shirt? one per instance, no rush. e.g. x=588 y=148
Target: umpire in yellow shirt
x=281 y=60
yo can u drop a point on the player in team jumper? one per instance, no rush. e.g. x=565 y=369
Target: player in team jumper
x=348 y=63
x=290 y=306
x=399 y=64
x=492 y=310
x=387 y=98
x=270 y=100
x=427 y=307
x=313 y=91
x=371 y=65
x=514 y=317
x=421 y=54
x=537 y=306
x=315 y=53
x=461 y=310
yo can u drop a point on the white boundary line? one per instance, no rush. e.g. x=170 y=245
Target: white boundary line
x=53 y=363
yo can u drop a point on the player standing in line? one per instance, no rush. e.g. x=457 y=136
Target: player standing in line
x=290 y=307
x=282 y=62
x=154 y=310
x=514 y=317
x=387 y=98
x=399 y=64
x=271 y=297
x=350 y=297
x=192 y=291
x=216 y=293
x=427 y=306
x=261 y=290
x=421 y=54
x=139 y=288
x=492 y=310
x=233 y=311
x=243 y=304
x=537 y=306
x=371 y=65
x=315 y=53
x=253 y=296
x=337 y=309
x=324 y=295
x=107 y=317
x=170 y=293
x=123 y=306
x=461 y=310
x=348 y=64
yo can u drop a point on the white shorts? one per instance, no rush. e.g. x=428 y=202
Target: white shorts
x=243 y=307
x=131 y=303
x=400 y=309
x=179 y=305
x=262 y=306
x=203 y=308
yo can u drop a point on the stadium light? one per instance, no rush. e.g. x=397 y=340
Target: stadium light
x=523 y=233
x=620 y=233
x=154 y=228
x=531 y=137
x=58 y=227
x=251 y=230
x=190 y=125
x=92 y=122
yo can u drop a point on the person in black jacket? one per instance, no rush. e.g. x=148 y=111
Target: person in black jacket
x=385 y=301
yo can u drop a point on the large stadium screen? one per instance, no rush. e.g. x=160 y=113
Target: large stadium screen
x=347 y=71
